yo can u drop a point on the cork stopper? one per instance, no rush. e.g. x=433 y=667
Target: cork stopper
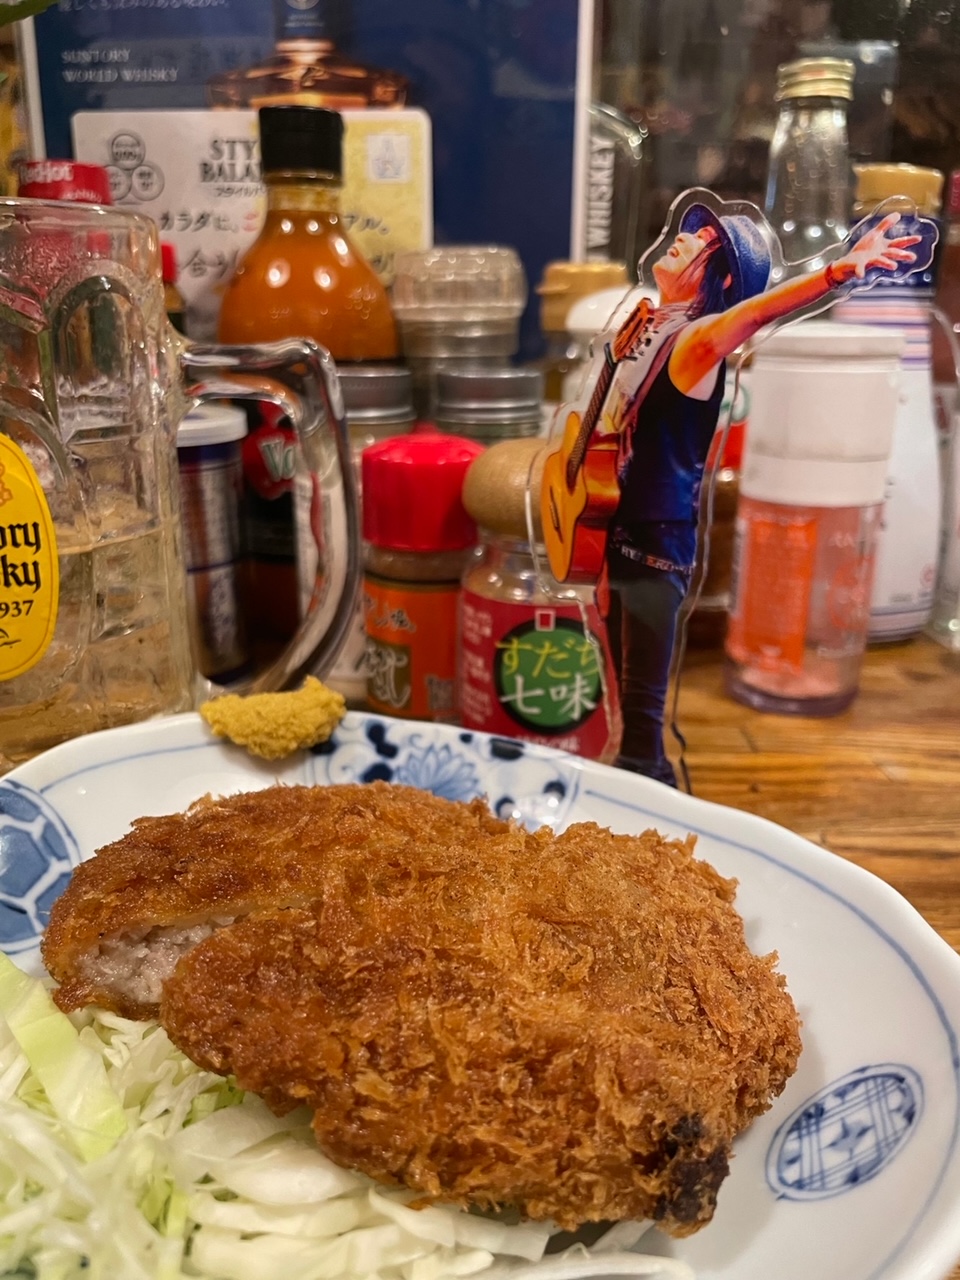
x=495 y=489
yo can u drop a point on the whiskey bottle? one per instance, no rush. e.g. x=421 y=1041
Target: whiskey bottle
x=306 y=68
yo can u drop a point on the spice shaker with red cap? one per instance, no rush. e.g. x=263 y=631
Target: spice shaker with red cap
x=418 y=537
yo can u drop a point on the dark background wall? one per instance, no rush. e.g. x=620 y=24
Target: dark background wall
x=699 y=75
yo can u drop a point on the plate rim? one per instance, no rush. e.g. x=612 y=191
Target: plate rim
x=852 y=886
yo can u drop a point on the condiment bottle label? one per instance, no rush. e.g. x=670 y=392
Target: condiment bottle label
x=775 y=552
x=533 y=672
x=411 y=647
x=29 y=564
x=349 y=674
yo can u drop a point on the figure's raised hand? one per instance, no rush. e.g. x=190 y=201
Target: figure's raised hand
x=875 y=249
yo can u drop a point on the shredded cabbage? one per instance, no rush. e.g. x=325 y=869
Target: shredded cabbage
x=121 y=1160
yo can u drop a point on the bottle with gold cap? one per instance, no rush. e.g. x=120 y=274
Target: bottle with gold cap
x=563 y=284
x=808 y=181
x=533 y=658
x=907 y=548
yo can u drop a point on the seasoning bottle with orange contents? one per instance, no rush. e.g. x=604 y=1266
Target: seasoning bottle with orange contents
x=302 y=276
x=418 y=539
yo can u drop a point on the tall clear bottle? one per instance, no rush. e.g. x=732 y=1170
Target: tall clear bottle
x=613 y=186
x=808 y=182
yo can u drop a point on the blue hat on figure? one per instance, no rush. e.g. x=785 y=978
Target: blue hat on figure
x=744 y=245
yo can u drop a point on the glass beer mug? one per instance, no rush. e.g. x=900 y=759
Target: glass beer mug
x=93 y=384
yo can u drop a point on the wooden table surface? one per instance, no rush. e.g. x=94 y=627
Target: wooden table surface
x=879 y=784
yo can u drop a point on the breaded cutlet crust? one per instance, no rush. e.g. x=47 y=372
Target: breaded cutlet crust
x=225 y=858
x=572 y=1025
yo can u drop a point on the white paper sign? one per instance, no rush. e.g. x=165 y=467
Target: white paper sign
x=197 y=173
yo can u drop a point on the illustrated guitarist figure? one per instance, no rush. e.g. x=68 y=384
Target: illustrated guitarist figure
x=621 y=495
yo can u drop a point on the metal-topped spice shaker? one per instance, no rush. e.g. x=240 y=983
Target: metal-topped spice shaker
x=456 y=306
x=488 y=405
x=418 y=538
x=378 y=402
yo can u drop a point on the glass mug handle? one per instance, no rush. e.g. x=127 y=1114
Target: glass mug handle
x=300 y=377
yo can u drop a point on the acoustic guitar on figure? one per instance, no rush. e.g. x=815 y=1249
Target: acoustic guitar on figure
x=580 y=490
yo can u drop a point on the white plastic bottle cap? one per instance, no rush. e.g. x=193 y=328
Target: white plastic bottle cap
x=211 y=423
x=823 y=408
x=601 y=310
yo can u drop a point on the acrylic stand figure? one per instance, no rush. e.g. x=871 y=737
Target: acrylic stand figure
x=621 y=494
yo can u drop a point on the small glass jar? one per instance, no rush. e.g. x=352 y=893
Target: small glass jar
x=533 y=659
x=378 y=402
x=456 y=306
x=492 y=404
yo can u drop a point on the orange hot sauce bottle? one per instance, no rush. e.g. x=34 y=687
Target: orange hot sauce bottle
x=302 y=277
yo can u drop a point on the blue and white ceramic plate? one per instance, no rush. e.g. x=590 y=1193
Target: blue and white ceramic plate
x=854 y=1174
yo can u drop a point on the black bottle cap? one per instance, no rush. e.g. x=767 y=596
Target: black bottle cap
x=301 y=139
x=307 y=20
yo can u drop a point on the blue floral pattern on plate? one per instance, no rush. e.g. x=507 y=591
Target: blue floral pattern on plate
x=846 y=1134
x=37 y=854
x=366 y=749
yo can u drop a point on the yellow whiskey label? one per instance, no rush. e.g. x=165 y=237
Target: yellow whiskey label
x=29 y=564
x=387 y=198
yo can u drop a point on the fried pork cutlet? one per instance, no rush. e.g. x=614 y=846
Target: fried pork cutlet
x=131 y=912
x=570 y=1024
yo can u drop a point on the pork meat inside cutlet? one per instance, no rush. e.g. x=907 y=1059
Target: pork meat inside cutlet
x=573 y=1025
x=130 y=913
